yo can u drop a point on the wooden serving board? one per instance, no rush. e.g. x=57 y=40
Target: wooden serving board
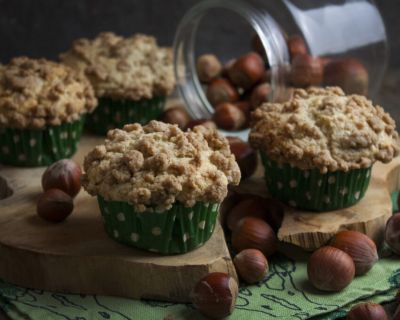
x=76 y=256
x=310 y=230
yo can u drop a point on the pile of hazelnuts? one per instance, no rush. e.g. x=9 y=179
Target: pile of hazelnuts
x=239 y=86
x=252 y=223
x=61 y=182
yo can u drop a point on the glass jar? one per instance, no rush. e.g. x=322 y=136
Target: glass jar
x=334 y=31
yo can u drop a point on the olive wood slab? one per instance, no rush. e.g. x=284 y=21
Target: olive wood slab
x=310 y=230
x=76 y=256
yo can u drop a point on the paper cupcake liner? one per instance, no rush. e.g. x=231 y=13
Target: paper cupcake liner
x=177 y=230
x=111 y=114
x=312 y=190
x=34 y=148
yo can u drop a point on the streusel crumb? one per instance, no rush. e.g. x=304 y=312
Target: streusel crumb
x=36 y=93
x=325 y=129
x=123 y=68
x=156 y=165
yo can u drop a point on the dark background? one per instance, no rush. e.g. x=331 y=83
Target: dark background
x=44 y=28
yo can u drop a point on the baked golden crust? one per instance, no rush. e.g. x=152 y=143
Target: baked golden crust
x=36 y=93
x=156 y=165
x=123 y=68
x=324 y=129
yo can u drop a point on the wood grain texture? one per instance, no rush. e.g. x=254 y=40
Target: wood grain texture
x=77 y=256
x=310 y=230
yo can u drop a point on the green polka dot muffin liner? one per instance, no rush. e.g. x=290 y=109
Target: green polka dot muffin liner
x=111 y=114
x=177 y=230
x=39 y=147
x=312 y=190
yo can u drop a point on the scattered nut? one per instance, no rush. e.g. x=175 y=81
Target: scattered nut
x=54 y=205
x=64 y=175
x=367 y=311
x=229 y=117
x=260 y=95
x=296 y=46
x=247 y=70
x=221 y=90
x=392 y=233
x=358 y=246
x=330 y=269
x=176 y=115
x=254 y=233
x=306 y=71
x=215 y=295
x=208 y=67
x=349 y=74
x=245 y=156
x=251 y=265
x=201 y=122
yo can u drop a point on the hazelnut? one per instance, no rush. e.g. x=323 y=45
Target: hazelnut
x=251 y=265
x=176 y=115
x=54 y=205
x=229 y=117
x=201 y=122
x=64 y=175
x=367 y=311
x=215 y=295
x=245 y=106
x=208 y=67
x=392 y=233
x=247 y=70
x=306 y=71
x=349 y=74
x=226 y=67
x=269 y=210
x=358 y=246
x=254 y=233
x=245 y=156
x=221 y=90
x=296 y=46
x=259 y=95
x=330 y=269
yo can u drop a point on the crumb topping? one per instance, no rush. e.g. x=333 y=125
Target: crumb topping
x=325 y=129
x=36 y=93
x=155 y=165
x=123 y=68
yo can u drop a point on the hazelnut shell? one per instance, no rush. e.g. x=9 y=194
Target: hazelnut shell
x=221 y=90
x=247 y=70
x=54 y=205
x=64 y=175
x=254 y=233
x=251 y=265
x=367 y=311
x=330 y=269
x=229 y=117
x=358 y=246
x=215 y=295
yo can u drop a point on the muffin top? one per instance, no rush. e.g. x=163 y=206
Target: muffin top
x=153 y=166
x=324 y=129
x=36 y=93
x=123 y=68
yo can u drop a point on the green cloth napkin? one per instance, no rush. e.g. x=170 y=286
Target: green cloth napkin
x=285 y=294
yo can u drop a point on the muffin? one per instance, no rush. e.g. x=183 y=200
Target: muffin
x=319 y=147
x=131 y=78
x=42 y=109
x=160 y=188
